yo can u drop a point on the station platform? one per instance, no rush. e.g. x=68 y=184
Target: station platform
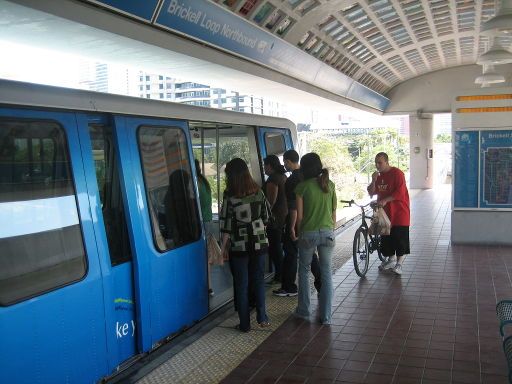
x=434 y=324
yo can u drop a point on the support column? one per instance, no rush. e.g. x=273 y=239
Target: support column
x=422 y=151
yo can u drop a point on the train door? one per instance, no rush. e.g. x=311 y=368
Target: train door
x=214 y=144
x=108 y=201
x=51 y=293
x=169 y=253
x=274 y=141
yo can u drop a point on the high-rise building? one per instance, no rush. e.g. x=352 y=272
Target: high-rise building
x=108 y=78
x=152 y=86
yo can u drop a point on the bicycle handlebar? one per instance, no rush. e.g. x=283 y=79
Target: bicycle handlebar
x=357 y=205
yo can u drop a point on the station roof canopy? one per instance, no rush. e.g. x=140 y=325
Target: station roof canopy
x=381 y=43
x=357 y=50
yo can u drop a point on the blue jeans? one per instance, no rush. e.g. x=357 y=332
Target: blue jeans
x=324 y=241
x=245 y=268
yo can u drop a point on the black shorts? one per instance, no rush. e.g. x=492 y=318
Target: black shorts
x=396 y=243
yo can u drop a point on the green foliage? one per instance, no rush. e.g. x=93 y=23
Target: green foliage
x=229 y=148
x=443 y=138
x=350 y=158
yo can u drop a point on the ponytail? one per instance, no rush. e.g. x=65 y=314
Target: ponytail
x=323 y=180
x=311 y=167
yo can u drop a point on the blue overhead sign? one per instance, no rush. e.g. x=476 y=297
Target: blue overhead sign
x=142 y=9
x=210 y=23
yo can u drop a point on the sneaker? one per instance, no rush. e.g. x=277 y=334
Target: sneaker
x=283 y=293
x=387 y=264
x=397 y=270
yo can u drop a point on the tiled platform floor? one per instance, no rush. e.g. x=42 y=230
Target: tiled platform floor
x=434 y=324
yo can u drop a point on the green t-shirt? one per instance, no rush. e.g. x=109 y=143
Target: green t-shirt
x=205 y=199
x=318 y=206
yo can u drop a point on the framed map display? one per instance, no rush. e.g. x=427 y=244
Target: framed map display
x=496 y=169
x=483 y=169
x=465 y=173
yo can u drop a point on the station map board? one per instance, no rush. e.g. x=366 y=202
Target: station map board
x=483 y=169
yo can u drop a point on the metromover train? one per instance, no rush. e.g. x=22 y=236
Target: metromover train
x=102 y=247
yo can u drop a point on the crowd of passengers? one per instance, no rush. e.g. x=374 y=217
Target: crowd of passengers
x=293 y=218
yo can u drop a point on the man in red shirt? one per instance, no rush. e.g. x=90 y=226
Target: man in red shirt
x=388 y=183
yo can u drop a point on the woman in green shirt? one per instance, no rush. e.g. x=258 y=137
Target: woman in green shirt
x=316 y=216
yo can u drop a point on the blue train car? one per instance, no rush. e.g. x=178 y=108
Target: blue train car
x=102 y=245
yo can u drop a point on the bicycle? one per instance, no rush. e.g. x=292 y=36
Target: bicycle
x=364 y=243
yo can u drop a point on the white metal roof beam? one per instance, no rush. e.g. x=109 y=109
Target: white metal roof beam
x=390 y=39
x=407 y=26
x=428 y=14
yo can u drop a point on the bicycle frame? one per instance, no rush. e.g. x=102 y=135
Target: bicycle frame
x=364 y=242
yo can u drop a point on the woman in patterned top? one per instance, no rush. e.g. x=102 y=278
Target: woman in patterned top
x=242 y=223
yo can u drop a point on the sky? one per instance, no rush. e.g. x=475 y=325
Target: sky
x=51 y=67
x=63 y=69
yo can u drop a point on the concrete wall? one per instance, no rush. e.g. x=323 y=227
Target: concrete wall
x=421 y=141
x=481 y=227
x=435 y=92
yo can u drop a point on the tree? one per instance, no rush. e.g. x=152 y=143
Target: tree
x=443 y=138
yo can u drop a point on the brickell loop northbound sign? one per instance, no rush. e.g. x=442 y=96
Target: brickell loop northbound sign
x=210 y=23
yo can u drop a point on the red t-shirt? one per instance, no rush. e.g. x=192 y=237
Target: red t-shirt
x=392 y=183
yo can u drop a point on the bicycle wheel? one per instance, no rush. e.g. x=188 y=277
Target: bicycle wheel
x=360 y=252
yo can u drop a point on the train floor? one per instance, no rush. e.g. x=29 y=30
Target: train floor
x=434 y=324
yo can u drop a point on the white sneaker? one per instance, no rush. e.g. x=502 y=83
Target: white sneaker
x=388 y=264
x=398 y=269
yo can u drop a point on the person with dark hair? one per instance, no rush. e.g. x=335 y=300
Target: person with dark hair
x=388 y=183
x=182 y=227
x=316 y=217
x=275 y=193
x=205 y=201
x=244 y=242
x=290 y=246
x=205 y=194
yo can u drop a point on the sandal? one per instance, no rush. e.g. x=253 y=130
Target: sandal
x=264 y=324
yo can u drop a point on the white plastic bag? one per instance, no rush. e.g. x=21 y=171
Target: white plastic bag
x=380 y=225
x=214 y=253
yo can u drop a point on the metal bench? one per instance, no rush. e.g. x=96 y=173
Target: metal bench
x=504 y=312
x=507 y=348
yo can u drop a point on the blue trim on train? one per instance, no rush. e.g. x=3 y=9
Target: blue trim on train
x=261 y=138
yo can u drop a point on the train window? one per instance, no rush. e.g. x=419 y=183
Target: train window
x=214 y=145
x=42 y=246
x=275 y=143
x=170 y=193
x=109 y=185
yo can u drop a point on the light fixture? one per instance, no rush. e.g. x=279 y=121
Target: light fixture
x=495 y=55
x=501 y=23
x=489 y=76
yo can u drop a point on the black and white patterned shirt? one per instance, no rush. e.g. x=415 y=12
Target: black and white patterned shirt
x=245 y=219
